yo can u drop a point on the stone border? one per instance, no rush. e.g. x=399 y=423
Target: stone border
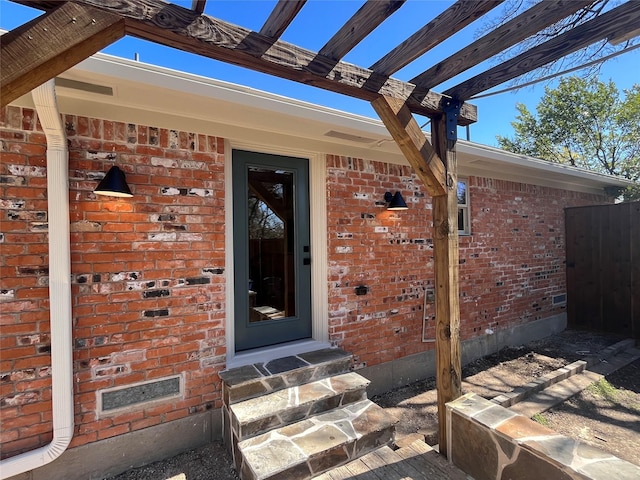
x=521 y=393
x=539 y=384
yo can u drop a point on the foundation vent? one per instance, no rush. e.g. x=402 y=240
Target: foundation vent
x=115 y=399
x=558 y=300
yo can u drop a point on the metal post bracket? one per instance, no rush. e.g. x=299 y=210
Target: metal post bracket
x=451 y=111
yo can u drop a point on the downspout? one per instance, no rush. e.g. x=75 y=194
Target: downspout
x=44 y=98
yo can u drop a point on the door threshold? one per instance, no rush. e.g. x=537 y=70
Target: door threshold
x=266 y=354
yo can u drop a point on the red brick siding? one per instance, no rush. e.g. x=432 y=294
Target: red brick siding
x=386 y=322
x=147 y=274
x=510 y=266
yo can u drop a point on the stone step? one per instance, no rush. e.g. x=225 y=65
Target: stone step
x=259 y=415
x=521 y=393
x=555 y=394
x=621 y=359
x=610 y=351
x=316 y=444
x=251 y=381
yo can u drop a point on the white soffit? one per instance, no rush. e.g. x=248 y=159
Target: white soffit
x=156 y=96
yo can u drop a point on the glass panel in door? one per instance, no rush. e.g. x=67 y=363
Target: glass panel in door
x=271 y=245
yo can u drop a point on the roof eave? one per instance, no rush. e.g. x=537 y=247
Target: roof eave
x=277 y=110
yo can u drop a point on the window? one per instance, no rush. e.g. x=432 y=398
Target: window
x=464 y=222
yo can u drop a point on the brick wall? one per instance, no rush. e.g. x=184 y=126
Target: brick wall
x=147 y=274
x=389 y=252
x=510 y=267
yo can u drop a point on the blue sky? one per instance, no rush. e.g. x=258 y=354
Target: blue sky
x=317 y=21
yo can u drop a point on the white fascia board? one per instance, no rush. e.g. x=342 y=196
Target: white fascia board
x=166 y=78
x=540 y=168
x=149 y=93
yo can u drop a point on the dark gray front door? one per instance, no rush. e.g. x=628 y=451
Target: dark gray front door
x=272 y=261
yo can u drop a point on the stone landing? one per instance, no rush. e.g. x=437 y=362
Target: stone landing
x=299 y=416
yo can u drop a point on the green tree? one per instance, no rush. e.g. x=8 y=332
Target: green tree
x=584 y=123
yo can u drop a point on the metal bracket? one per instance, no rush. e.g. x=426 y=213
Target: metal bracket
x=451 y=111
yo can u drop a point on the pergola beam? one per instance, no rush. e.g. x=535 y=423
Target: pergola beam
x=51 y=44
x=538 y=17
x=361 y=24
x=448 y=23
x=414 y=145
x=611 y=24
x=198 y=5
x=182 y=28
x=281 y=17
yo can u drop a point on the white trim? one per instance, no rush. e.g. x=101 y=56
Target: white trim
x=319 y=286
x=209 y=87
x=166 y=98
x=491 y=162
x=319 y=257
x=466 y=208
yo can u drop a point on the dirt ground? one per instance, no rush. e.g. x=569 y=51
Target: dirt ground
x=416 y=404
x=211 y=462
x=607 y=416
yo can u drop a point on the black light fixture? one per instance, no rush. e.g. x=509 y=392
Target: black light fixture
x=395 y=201
x=113 y=184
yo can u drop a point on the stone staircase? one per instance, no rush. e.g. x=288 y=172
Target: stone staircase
x=299 y=416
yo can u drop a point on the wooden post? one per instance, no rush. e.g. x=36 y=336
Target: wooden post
x=445 y=243
x=415 y=147
x=435 y=164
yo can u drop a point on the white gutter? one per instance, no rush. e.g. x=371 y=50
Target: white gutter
x=533 y=163
x=180 y=96
x=44 y=98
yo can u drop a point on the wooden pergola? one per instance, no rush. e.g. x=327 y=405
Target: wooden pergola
x=71 y=31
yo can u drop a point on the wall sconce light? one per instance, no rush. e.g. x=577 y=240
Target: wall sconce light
x=113 y=184
x=395 y=201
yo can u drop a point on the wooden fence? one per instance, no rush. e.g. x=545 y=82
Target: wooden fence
x=603 y=268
